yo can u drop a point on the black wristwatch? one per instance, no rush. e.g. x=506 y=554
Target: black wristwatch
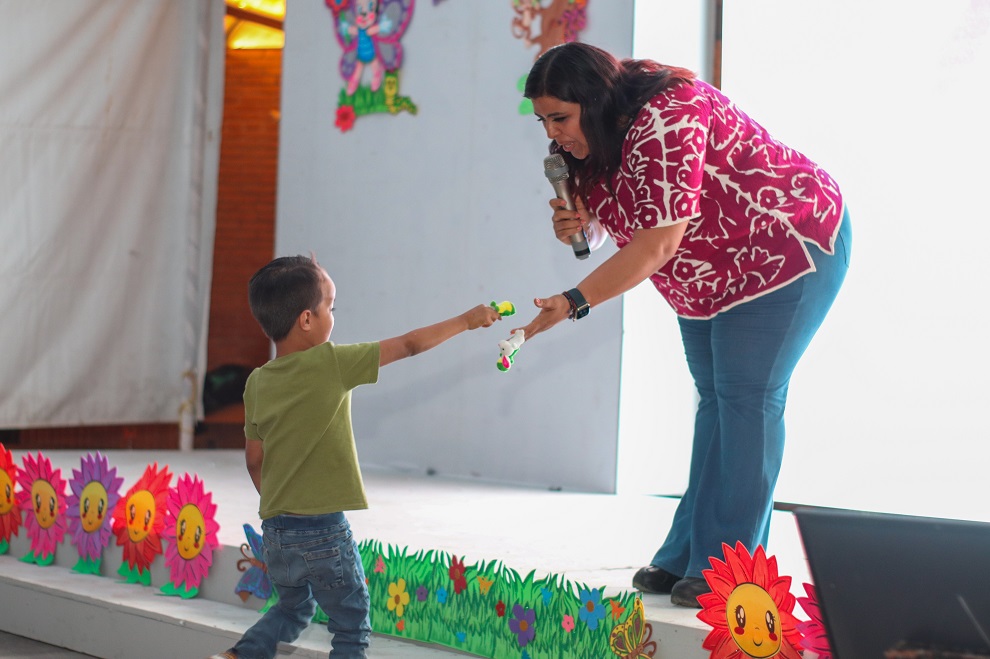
x=579 y=306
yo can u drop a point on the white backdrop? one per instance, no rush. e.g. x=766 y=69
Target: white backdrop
x=417 y=218
x=888 y=410
x=109 y=117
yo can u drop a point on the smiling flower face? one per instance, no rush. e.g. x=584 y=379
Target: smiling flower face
x=190 y=532
x=10 y=511
x=750 y=608
x=42 y=498
x=95 y=493
x=139 y=517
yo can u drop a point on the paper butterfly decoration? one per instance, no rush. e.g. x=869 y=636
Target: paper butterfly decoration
x=10 y=509
x=255 y=580
x=95 y=492
x=369 y=32
x=42 y=497
x=191 y=536
x=750 y=607
x=138 y=521
x=632 y=638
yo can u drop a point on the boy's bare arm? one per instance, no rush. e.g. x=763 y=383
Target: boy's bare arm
x=254 y=455
x=425 y=338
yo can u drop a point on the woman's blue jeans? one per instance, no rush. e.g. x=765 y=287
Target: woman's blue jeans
x=311 y=560
x=741 y=361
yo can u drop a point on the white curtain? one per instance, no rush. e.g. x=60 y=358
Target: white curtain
x=109 y=135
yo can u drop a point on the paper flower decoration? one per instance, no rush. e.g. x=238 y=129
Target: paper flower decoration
x=191 y=533
x=138 y=521
x=10 y=510
x=95 y=491
x=813 y=630
x=42 y=497
x=456 y=573
x=750 y=607
x=592 y=610
x=632 y=639
x=255 y=580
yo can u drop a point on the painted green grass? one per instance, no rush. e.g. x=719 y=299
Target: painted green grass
x=477 y=619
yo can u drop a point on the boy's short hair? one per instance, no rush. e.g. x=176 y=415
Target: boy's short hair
x=282 y=290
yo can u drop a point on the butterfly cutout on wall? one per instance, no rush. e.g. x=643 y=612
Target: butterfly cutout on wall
x=255 y=580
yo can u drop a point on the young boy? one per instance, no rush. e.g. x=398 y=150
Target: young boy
x=301 y=456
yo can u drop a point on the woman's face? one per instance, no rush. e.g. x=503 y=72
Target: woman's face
x=562 y=122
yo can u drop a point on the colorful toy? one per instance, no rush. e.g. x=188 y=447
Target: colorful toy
x=508 y=348
x=504 y=308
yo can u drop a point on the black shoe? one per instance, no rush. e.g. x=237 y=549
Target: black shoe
x=651 y=579
x=686 y=591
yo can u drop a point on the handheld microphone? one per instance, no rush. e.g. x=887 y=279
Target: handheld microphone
x=555 y=169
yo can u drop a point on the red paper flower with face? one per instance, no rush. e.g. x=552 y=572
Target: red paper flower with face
x=10 y=511
x=750 y=608
x=139 y=517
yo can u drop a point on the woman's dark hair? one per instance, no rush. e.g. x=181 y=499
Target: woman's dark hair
x=610 y=92
x=282 y=290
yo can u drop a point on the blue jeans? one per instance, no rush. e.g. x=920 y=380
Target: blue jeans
x=311 y=560
x=741 y=362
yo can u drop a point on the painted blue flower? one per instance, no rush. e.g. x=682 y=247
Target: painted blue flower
x=442 y=595
x=525 y=655
x=461 y=636
x=592 y=609
x=523 y=624
x=547 y=596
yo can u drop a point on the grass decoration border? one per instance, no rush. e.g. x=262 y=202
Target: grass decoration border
x=486 y=608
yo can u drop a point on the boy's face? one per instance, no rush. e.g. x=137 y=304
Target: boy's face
x=323 y=318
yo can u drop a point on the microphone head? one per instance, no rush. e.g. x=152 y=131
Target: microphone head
x=555 y=168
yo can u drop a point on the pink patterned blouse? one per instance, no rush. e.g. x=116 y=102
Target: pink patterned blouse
x=752 y=202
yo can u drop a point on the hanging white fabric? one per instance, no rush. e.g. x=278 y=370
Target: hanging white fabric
x=109 y=134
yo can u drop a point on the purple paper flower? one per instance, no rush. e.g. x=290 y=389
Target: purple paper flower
x=523 y=624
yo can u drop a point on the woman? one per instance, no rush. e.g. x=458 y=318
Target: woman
x=746 y=239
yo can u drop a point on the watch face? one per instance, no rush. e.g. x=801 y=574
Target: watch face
x=582 y=311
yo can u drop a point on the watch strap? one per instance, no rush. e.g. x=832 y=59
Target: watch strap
x=579 y=306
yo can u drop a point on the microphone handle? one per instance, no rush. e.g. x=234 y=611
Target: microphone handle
x=579 y=240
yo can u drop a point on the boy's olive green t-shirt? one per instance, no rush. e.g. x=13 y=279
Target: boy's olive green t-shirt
x=299 y=406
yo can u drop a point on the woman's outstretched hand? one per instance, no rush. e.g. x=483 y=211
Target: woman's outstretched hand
x=552 y=310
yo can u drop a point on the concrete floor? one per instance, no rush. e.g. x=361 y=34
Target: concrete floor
x=18 y=647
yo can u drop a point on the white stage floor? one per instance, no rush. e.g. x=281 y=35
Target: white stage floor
x=598 y=540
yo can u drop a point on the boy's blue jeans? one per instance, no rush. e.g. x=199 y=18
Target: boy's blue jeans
x=311 y=560
x=741 y=362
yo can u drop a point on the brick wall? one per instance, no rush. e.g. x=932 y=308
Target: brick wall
x=245 y=238
x=245 y=235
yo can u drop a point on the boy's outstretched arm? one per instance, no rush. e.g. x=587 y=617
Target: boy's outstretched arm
x=424 y=338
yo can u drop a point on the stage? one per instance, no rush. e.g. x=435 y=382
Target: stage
x=598 y=540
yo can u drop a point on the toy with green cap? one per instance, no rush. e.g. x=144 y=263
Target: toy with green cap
x=508 y=348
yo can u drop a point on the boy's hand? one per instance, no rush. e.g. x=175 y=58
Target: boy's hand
x=483 y=315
